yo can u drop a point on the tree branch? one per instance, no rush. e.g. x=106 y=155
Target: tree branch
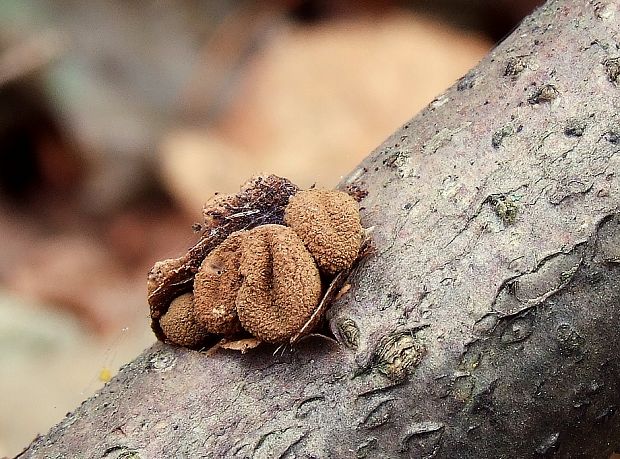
x=485 y=323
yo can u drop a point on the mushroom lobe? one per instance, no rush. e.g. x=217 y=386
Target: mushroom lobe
x=281 y=284
x=216 y=285
x=328 y=222
x=179 y=323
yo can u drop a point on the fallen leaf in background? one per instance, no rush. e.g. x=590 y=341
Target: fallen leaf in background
x=77 y=273
x=315 y=101
x=49 y=363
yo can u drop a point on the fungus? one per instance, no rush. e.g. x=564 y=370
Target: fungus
x=328 y=222
x=179 y=324
x=216 y=285
x=250 y=273
x=261 y=200
x=281 y=284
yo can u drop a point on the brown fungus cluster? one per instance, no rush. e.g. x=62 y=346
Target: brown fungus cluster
x=260 y=266
x=261 y=200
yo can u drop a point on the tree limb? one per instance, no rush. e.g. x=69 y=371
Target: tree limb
x=485 y=323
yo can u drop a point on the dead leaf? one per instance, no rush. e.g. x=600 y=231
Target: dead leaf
x=243 y=345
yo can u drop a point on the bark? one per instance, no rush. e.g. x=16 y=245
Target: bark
x=485 y=322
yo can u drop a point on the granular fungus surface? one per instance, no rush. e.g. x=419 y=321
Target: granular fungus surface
x=281 y=283
x=179 y=322
x=260 y=268
x=216 y=285
x=328 y=222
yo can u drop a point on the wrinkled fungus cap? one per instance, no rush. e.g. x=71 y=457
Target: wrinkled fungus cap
x=281 y=283
x=328 y=222
x=216 y=285
x=179 y=324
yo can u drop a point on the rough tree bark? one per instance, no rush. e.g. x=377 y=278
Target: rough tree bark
x=484 y=324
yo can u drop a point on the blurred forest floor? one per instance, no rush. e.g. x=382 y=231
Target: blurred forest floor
x=119 y=119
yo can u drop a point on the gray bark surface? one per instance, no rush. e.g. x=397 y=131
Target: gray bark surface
x=484 y=324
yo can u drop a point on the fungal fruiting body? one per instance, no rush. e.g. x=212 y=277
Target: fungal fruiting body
x=179 y=322
x=257 y=267
x=263 y=281
x=281 y=283
x=329 y=224
x=216 y=285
